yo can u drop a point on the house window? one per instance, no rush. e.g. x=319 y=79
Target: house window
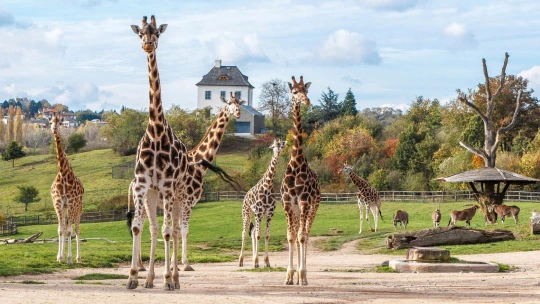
x=239 y=94
x=223 y=77
x=223 y=94
x=208 y=95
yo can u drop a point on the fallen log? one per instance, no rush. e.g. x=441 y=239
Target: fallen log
x=446 y=236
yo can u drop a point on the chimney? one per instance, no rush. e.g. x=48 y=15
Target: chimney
x=218 y=64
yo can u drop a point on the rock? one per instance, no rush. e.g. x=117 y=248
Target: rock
x=428 y=254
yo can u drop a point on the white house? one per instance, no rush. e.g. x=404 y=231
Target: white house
x=219 y=82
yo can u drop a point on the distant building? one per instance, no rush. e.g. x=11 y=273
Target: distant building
x=219 y=82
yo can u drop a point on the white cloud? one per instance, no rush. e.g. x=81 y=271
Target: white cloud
x=351 y=80
x=348 y=48
x=533 y=75
x=233 y=49
x=389 y=5
x=6 y=18
x=459 y=37
x=10 y=89
x=400 y=106
x=76 y=95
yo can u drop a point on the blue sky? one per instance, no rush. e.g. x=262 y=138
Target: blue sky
x=83 y=53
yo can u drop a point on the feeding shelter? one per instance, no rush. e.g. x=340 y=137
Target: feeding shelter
x=493 y=185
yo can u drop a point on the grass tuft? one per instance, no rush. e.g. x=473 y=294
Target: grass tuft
x=505 y=267
x=264 y=269
x=101 y=276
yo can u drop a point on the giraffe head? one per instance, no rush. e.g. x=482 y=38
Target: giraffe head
x=346 y=168
x=277 y=146
x=55 y=123
x=299 y=91
x=233 y=105
x=149 y=33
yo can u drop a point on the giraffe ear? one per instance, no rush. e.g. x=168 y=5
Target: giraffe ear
x=223 y=99
x=308 y=85
x=242 y=102
x=136 y=29
x=162 y=28
x=290 y=86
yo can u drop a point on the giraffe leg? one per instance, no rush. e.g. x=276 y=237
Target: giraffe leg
x=375 y=213
x=185 y=232
x=140 y=262
x=166 y=232
x=269 y=215
x=246 y=219
x=291 y=237
x=302 y=240
x=367 y=217
x=255 y=238
x=69 y=232
x=152 y=199
x=136 y=227
x=176 y=219
x=360 y=206
x=78 y=237
x=61 y=236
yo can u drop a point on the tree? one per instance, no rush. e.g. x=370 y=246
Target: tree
x=76 y=141
x=27 y=195
x=2 y=127
x=330 y=107
x=348 y=106
x=18 y=127
x=124 y=131
x=13 y=151
x=274 y=99
x=10 y=132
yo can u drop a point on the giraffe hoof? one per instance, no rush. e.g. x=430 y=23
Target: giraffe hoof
x=132 y=284
x=288 y=283
x=176 y=285
x=188 y=268
x=69 y=261
x=168 y=286
x=148 y=285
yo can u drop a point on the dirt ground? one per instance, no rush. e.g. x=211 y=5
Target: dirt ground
x=328 y=283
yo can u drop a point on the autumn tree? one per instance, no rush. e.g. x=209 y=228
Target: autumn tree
x=18 y=127
x=274 y=99
x=10 y=131
x=2 y=126
x=124 y=131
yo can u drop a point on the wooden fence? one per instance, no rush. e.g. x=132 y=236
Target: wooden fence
x=9 y=229
x=329 y=198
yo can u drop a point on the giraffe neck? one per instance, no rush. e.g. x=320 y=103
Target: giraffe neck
x=208 y=147
x=297 y=151
x=61 y=158
x=271 y=171
x=361 y=183
x=157 y=118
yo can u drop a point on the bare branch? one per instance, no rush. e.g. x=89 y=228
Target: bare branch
x=486 y=76
x=503 y=75
x=462 y=98
x=478 y=152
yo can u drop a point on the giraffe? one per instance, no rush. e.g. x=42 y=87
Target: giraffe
x=205 y=150
x=368 y=197
x=67 y=194
x=160 y=168
x=299 y=190
x=260 y=201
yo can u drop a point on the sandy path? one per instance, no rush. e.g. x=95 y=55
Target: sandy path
x=223 y=283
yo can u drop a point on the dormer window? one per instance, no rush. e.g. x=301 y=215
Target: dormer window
x=223 y=77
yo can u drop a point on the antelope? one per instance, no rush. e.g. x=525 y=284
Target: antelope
x=463 y=215
x=402 y=218
x=503 y=211
x=436 y=216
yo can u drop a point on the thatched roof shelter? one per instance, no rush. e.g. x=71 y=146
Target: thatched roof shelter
x=489 y=175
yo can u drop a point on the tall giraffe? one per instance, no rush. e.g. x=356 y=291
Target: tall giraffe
x=206 y=150
x=300 y=190
x=67 y=194
x=368 y=197
x=260 y=201
x=160 y=167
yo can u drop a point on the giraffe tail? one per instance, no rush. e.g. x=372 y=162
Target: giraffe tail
x=380 y=214
x=129 y=214
x=222 y=174
x=251 y=227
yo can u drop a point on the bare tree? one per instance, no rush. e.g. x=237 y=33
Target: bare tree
x=274 y=99
x=492 y=134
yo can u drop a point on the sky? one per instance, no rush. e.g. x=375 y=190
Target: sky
x=83 y=53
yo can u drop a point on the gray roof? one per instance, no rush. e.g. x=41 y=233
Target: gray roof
x=487 y=174
x=251 y=110
x=233 y=74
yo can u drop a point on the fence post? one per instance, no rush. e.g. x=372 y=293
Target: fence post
x=38 y=220
x=217 y=196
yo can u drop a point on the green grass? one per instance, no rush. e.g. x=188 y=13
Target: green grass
x=29 y=282
x=215 y=236
x=264 y=269
x=505 y=267
x=100 y=276
x=91 y=283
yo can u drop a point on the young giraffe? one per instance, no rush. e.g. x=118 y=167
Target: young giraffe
x=261 y=201
x=205 y=150
x=367 y=196
x=299 y=190
x=160 y=167
x=67 y=194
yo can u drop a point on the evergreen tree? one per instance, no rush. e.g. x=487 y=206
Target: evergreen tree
x=348 y=106
x=14 y=150
x=27 y=195
x=330 y=107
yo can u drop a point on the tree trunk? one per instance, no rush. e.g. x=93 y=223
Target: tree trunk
x=485 y=200
x=446 y=236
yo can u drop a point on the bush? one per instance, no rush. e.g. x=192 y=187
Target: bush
x=2 y=218
x=76 y=141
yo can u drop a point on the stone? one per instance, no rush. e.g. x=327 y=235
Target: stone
x=535 y=228
x=419 y=267
x=428 y=254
